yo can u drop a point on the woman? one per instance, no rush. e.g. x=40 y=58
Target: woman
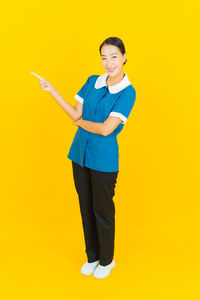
x=104 y=102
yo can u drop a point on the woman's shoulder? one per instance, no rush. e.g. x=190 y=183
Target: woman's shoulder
x=129 y=90
x=93 y=77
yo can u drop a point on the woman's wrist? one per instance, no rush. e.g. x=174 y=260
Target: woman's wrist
x=52 y=90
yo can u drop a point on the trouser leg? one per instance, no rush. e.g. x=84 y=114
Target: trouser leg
x=103 y=189
x=82 y=182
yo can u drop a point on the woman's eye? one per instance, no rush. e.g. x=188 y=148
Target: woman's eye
x=112 y=57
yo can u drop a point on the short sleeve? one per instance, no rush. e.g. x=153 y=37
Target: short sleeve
x=80 y=96
x=122 y=108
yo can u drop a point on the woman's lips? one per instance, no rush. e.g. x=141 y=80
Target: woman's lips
x=111 y=70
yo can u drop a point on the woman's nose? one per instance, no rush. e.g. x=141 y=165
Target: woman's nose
x=109 y=64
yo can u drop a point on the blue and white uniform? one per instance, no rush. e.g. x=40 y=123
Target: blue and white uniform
x=100 y=101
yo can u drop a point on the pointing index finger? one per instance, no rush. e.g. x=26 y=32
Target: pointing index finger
x=37 y=75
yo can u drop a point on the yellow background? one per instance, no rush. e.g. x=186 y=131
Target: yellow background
x=157 y=241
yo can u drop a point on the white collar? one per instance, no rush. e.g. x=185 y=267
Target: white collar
x=101 y=81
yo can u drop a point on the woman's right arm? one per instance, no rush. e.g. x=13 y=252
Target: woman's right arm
x=75 y=112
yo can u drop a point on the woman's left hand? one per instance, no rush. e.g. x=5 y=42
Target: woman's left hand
x=77 y=122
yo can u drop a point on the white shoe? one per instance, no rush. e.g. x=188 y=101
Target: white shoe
x=103 y=271
x=88 y=268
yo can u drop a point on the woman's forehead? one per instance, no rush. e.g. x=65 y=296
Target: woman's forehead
x=109 y=50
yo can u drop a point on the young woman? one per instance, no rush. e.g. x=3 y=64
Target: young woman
x=103 y=105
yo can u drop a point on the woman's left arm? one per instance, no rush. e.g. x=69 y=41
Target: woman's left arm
x=104 y=128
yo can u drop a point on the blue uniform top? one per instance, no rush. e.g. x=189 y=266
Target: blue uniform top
x=99 y=101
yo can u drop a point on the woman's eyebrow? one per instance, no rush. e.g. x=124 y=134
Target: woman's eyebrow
x=110 y=54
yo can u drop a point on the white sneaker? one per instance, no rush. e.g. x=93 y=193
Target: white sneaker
x=103 y=271
x=88 y=268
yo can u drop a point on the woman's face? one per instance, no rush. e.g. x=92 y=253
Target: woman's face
x=112 y=59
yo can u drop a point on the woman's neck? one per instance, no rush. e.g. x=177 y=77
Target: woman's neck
x=115 y=79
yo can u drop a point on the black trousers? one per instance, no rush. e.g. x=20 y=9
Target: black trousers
x=96 y=190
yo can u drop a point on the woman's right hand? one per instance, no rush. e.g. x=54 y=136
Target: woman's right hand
x=46 y=85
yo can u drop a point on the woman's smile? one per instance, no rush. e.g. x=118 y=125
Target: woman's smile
x=111 y=69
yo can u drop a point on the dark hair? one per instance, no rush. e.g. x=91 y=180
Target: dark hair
x=115 y=41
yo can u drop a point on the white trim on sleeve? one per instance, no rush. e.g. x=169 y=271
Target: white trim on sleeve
x=78 y=98
x=116 y=114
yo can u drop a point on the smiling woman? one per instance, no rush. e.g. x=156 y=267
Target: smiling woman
x=104 y=103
